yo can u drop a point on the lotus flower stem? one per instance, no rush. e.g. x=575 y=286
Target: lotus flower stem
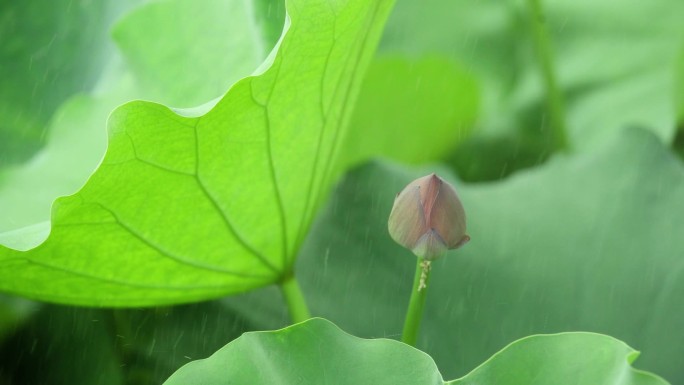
x=427 y=218
x=555 y=101
x=294 y=298
x=416 y=303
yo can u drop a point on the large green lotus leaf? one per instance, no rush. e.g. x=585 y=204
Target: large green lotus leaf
x=188 y=208
x=613 y=61
x=415 y=110
x=317 y=352
x=312 y=352
x=211 y=45
x=49 y=51
x=590 y=242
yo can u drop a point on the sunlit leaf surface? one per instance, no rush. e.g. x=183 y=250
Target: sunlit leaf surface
x=188 y=208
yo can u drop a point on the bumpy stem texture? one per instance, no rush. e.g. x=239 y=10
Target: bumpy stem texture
x=295 y=299
x=415 y=309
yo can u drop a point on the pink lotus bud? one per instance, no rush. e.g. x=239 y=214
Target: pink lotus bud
x=428 y=218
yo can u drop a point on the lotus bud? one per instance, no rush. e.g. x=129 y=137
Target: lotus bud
x=428 y=218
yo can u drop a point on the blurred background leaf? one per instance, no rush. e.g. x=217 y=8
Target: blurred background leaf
x=49 y=51
x=613 y=63
x=185 y=61
x=413 y=110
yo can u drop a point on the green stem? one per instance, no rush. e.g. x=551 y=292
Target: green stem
x=416 y=303
x=295 y=299
x=555 y=102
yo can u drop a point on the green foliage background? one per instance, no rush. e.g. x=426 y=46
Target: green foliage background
x=584 y=239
